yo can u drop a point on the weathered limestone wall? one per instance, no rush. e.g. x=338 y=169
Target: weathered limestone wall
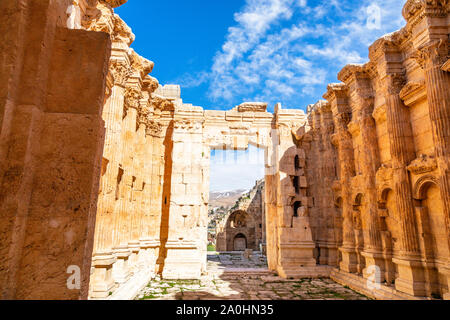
x=289 y=237
x=51 y=146
x=130 y=205
x=381 y=140
x=105 y=174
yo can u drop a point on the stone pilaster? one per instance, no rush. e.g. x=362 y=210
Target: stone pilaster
x=102 y=282
x=184 y=245
x=410 y=274
x=337 y=95
x=432 y=57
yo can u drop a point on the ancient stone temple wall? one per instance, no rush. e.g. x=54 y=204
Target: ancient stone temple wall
x=105 y=173
x=386 y=126
x=51 y=147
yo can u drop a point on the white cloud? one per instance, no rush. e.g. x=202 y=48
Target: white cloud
x=231 y=170
x=289 y=50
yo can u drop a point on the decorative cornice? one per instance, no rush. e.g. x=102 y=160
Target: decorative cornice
x=415 y=10
x=150 y=84
x=122 y=32
x=413 y=91
x=379 y=114
x=395 y=83
x=153 y=128
x=142 y=65
x=423 y=164
x=161 y=103
x=350 y=71
x=336 y=91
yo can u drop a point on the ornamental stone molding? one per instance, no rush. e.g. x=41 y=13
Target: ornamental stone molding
x=419 y=189
x=101 y=19
x=150 y=84
x=135 y=202
x=434 y=53
x=252 y=107
x=161 y=103
x=153 y=128
x=121 y=71
x=354 y=128
x=132 y=98
x=413 y=92
x=415 y=10
x=188 y=126
x=122 y=32
x=395 y=83
x=423 y=164
x=140 y=64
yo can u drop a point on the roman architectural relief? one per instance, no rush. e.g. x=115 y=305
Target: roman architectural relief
x=104 y=172
x=244 y=221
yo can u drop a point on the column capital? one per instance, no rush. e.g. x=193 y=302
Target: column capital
x=132 y=98
x=433 y=54
x=153 y=128
x=121 y=71
x=395 y=82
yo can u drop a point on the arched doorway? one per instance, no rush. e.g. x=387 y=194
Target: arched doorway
x=239 y=242
x=358 y=210
x=434 y=235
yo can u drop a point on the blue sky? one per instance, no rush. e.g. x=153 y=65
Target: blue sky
x=224 y=52
x=232 y=170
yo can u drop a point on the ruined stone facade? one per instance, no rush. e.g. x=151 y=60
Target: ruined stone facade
x=105 y=173
x=243 y=227
x=381 y=140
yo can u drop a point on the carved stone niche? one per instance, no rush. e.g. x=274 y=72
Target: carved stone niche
x=252 y=107
x=424 y=163
x=413 y=92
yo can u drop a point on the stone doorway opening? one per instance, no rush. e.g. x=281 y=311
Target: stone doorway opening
x=240 y=242
x=236 y=228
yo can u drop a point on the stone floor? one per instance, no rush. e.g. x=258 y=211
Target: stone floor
x=230 y=276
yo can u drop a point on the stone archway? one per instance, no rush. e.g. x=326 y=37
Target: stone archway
x=195 y=133
x=240 y=242
x=429 y=206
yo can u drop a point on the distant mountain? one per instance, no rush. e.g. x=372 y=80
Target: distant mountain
x=224 y=199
